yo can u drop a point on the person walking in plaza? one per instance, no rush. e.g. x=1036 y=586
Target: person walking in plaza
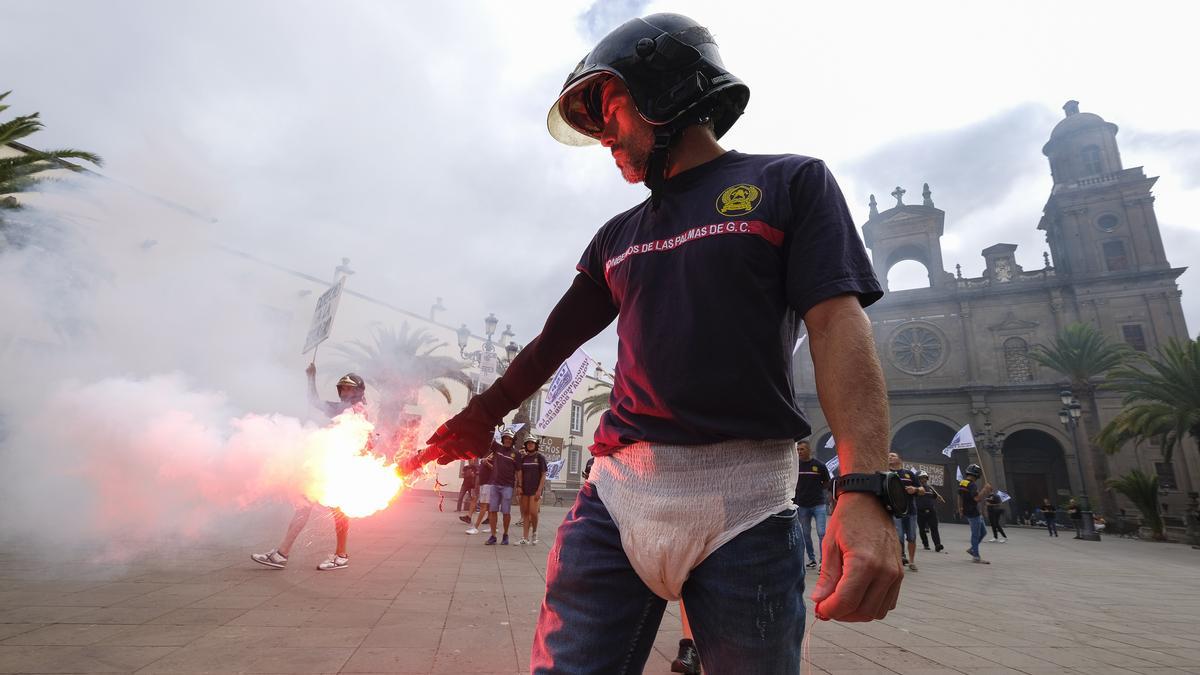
x=812 y=488
x=470 y=484
x=969 y=496
x=906 y=525
x=484 y=490
x=504 y=481
x=691 y=492
x=1050 y=515
x=995 y=511
x=352 y=395
x=1076 y=515
x=927 y=518
x=531 y=481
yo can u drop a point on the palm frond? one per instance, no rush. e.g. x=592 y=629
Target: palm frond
x=1142 y=490
x=1081 y=353
x=1161 y=398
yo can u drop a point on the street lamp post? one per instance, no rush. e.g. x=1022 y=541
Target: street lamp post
x=1069 y=416
x=486 y=358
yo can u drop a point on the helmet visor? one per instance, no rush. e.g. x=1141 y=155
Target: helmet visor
x=576 y=117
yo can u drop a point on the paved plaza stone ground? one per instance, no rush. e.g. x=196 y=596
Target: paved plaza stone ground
x=420 y=596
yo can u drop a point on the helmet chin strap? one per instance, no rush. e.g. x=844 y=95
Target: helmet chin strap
x=656 y=165
x=664 y=137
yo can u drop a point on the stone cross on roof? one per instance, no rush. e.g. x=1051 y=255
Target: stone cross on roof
x=898 y=193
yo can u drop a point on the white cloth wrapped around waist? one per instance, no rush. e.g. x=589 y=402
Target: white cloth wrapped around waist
x=676 y=504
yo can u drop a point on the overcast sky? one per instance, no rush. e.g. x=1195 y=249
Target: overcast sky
x=411 y=137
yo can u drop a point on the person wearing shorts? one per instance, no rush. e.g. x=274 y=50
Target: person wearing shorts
x=906 y=526
x=484 y=488
x=531 y=480
x=504 y=480
x=352 y=395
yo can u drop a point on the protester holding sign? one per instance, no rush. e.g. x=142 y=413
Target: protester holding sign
x=351 y=395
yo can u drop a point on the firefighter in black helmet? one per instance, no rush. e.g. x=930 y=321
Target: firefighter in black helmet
x=352 y=395
x=754 y=242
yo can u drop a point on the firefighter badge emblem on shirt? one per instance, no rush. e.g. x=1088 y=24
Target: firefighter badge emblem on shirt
x=738 y=200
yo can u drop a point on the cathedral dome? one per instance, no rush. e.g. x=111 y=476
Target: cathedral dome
x=1076 y=121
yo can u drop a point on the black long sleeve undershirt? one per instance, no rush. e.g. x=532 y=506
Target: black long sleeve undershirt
x=584 y=310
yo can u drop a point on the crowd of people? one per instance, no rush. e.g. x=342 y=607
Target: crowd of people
x=491 y=483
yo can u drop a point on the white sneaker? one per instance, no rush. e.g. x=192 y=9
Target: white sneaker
x=272 y=558
x=535 y=540
x=472 y=530
x=991 y=541
x=1004 y=540
x=523 y=542
x=334 y=562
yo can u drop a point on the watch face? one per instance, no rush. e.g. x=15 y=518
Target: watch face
x=894 y=492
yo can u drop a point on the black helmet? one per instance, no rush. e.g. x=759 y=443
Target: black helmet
x=353 y=381
x=974 y=470
x=673 y=71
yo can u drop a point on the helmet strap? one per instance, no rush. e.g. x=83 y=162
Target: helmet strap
x=656 y=165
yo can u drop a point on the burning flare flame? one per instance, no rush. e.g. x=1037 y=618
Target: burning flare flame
x=341 y=472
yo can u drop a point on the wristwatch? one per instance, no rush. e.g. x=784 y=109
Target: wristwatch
x=885 y=485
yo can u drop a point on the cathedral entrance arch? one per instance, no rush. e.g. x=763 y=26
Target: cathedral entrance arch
x=920 y=445
x=1036 y=469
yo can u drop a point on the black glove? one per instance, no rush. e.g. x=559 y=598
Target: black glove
x=466 y=435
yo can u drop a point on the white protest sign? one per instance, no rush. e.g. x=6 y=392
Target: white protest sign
x=322 y=321
x=1004 y=496
x=553 y=469
x=830 y=443
x=962 y=440
x=833 y=464
x=564 y=383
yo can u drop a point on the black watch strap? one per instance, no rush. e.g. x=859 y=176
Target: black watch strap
x=857 y=482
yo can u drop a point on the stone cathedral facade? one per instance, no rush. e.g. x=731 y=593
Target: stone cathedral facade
x=957 y=352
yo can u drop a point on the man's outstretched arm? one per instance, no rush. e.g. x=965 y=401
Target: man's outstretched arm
x=584 y=310
x=860 y=571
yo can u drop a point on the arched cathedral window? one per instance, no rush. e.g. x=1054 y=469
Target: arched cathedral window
x=1016 y=360
x=1091 y=161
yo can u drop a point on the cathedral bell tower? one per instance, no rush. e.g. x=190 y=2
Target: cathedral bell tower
x=1100 y=218
x=907 y=232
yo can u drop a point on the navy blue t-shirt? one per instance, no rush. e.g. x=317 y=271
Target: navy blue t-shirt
x=908 y=478
x=711 y=288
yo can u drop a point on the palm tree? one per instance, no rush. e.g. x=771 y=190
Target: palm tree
x=597 y=403
x=1162 y=399
x=21 y=173
x=398 y=364
x=1142 y=490
x=1083 y=354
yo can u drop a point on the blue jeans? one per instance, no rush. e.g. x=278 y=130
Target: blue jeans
x=906 y=529
x=807 y=514
x=978 y=531
x=744 y=602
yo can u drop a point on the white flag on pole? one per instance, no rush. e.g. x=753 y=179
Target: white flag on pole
x=512 y=428
x=564 y=383
x=1004 y=496
x=963 y=439
x=830 y=443
x=553 y=469
x=958 y=473
x=833 y=464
